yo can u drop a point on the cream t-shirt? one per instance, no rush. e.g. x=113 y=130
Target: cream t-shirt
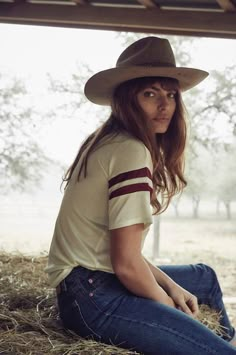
x=115 y=193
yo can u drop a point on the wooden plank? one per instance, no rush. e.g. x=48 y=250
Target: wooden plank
x=227 y=5
x=192 y=23
x=81 y=2
x=148 y=3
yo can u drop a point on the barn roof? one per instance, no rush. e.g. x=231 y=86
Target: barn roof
x=205 y=18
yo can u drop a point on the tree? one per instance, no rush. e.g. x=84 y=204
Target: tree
x=71 y=103
x=198 y=170
x=69 y=92
x=224 y=184
x=214 y=109
x=213 y=128
x=175 y=202
x=22 y=161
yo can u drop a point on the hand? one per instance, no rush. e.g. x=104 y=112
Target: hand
x=184 y=300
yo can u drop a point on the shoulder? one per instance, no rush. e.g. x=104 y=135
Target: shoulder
x=129 y=154
x=122 y=145
x=129 y=146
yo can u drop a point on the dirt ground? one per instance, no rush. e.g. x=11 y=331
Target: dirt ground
x=208 y=241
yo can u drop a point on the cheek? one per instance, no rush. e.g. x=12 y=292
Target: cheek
x=173 y=108
x=147 y=108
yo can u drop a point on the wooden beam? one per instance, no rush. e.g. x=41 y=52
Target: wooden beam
x=192 y=23
x=227 y=5
x=81 y=2
x=148 y=3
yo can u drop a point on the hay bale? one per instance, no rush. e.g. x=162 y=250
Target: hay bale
x=29 y=322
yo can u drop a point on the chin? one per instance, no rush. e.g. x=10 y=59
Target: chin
x=161 y=131
x=160 y=128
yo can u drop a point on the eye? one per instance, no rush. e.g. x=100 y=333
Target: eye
x=148 y=93
x=172 y=95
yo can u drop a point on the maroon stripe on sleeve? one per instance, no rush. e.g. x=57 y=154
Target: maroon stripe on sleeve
x=132 y=174
x=130 y=189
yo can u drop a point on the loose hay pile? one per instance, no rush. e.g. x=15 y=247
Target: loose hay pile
x=29 y=322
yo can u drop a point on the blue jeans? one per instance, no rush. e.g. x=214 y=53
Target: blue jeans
x=96 y=305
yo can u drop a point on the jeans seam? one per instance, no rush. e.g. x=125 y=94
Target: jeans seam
x=86 y=324
x=173 y=330
x=154 y=325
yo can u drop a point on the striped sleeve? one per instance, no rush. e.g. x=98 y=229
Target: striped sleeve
x=130 y=186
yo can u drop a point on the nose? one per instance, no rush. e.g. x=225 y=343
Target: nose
x=162 y=103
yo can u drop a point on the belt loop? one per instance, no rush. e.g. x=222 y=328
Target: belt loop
x=63 y=285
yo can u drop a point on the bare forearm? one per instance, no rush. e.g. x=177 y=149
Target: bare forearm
x=138 y=278
x=130 y=266
x=161 y=278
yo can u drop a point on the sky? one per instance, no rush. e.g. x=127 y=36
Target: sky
x=46 y=47
x=38 y=48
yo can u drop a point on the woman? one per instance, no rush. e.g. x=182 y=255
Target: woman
x=106 y=289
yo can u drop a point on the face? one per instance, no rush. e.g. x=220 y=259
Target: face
x=158 y=105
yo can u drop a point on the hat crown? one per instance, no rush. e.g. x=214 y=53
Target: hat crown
x=147 y=57
x=150 y=51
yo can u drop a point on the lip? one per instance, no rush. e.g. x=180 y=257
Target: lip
x=161 y=119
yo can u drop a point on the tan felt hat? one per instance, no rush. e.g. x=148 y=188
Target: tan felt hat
x=150 y=56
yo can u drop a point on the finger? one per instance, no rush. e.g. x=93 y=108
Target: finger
x=184 y=307
x=193 y=305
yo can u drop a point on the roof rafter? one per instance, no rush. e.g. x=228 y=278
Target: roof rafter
x=81 y=2
x=227 y=5
x=192 y=22
x=148 y=3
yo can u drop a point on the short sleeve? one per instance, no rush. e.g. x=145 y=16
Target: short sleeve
x=130 y=185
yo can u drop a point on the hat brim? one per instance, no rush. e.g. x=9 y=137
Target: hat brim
x=100 y=87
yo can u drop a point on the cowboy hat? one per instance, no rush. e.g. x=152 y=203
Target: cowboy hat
x=150 y=56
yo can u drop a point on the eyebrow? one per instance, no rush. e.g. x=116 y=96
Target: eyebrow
x=155 y=88
x=158 y=89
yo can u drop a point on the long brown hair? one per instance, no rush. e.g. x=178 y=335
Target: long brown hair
x=167 y=149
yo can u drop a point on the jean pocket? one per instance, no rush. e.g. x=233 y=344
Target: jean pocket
x=77 y=318
x=98 y=280
x=83 y=281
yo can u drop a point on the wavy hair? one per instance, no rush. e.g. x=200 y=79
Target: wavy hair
x=166 y=149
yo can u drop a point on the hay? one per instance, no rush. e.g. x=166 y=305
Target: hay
x=29 y=322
